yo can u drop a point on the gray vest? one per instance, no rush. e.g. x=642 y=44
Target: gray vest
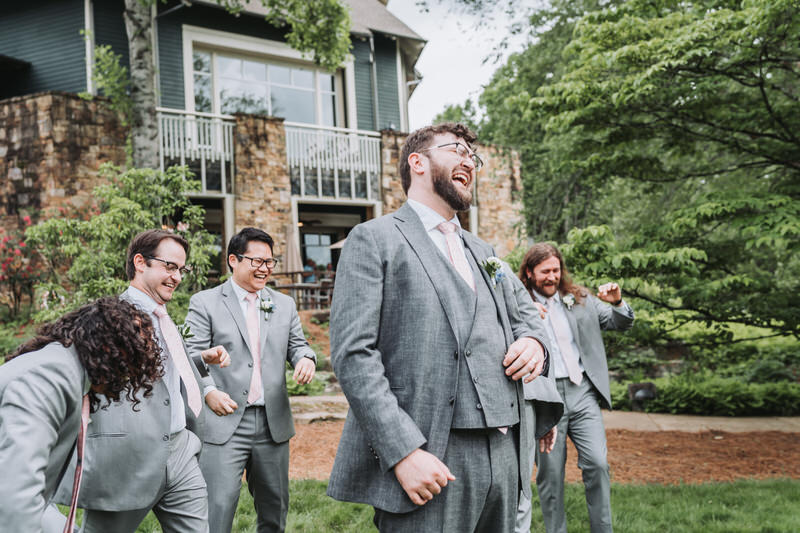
x=485 y=396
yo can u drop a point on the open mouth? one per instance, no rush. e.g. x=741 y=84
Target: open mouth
x=461 y=178
x=260 y=276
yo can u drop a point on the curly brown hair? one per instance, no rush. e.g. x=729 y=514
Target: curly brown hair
x=116 y=344
x=541 y=252
x=421 y=138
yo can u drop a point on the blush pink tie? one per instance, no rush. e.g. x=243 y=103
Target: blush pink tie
x=256 y=386
x=178 y=355
x=560 y=328
x=455 y=252
x=76 y=482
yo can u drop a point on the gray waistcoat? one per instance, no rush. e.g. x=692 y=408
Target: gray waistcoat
x=485 y=397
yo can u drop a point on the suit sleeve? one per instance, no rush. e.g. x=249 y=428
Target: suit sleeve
x=298 y=345
x=199 y=324
x=613 y=318
x=524 y=318
x=357 y=361
x=33 y=408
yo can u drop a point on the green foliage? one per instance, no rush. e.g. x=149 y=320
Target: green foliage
x=111 y=79
x=316 y=386
x=84 y=250
x=19 y=270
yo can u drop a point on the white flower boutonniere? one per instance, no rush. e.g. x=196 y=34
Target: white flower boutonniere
x=569 y=300
x=268 y=307
x=185 y=332
x=494 y=267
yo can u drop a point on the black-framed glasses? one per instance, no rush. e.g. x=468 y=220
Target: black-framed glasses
x=462 y=151
x=257 y=262
x=171 y=267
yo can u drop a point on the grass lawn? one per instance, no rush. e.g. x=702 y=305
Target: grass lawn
x=744 y=506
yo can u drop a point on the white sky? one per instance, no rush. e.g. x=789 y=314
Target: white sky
x=451 y=63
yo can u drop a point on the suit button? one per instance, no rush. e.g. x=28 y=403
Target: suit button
x=165 y=438
x=452 y=400
x=455 y=354
x=468 y=353
x=250 y=365
x=244 y=393
x=474 y=380
x=512 y=404
x=166 y=402
x=479 y=406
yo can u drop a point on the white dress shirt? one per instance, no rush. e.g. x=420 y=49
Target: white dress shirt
x=241 y=296
x=430 y=220
x=559 y=367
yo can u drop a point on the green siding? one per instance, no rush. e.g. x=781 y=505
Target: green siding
x=388 y=98
x=109 y=27
x=45 y=34
x=363 y=85
x=170 y=42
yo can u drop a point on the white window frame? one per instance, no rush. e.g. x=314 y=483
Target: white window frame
x=243 y=46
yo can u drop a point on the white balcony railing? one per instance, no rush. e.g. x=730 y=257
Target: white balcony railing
x=201 y=141
x=333 y=162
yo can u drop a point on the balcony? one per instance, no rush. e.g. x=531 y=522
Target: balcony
x=333 y=163
x=201 y=141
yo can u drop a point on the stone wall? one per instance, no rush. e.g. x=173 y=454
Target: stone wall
x=263 y=190
x=51 y=147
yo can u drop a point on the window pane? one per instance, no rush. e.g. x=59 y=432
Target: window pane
x=202 y=93
x=280 y=75
x=242 y=97
x=311 y=238
x=326 y=82
x=229 y=67
x=201 y=61
x=303 y=78
x=328 y=109
x=325 y=239
x=255 y=71
x=292 y=104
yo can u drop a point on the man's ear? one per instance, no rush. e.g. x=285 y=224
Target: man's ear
x=529 y=273
x=416 y=163
x=139 y=262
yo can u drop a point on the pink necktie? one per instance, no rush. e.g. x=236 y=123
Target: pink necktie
x=560 y=328
x=76 y=483
x=256 y=386
x=179 y=359
x=457 y=257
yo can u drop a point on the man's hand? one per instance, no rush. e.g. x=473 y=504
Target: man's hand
x=304 y=371
x=422 y=475
x=547 y=442
x=525 y=357
x=217 y=355
x=542 y=309
x=220 y=402
x=609 y=292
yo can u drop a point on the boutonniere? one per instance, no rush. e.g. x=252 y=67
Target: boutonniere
x=268 y=307
x=569 y=300
x=185 y=332
x=494 y=267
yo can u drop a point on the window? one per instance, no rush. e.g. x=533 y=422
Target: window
x=227 y=83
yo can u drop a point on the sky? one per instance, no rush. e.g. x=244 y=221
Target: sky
x=452 y=62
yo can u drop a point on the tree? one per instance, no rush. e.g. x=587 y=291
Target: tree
x=84 y=249
x=321 y=27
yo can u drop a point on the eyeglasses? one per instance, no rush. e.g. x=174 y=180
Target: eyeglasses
x=462 y=151
x=256 y=262
x=171 y=267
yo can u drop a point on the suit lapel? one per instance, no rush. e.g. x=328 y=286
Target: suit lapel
x=267 y=320
x=232 y=303
x=573 y=321
x=474 y=246
x=435 y=265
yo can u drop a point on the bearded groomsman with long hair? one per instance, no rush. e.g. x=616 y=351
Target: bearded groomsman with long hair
x=574 y=320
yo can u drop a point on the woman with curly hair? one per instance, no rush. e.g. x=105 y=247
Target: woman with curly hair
x=104 y=350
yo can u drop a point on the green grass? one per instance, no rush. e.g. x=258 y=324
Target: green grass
x=743 y=506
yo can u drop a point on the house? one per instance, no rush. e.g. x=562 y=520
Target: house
x=276 y=141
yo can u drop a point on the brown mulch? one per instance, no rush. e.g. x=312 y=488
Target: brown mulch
x=666 y=457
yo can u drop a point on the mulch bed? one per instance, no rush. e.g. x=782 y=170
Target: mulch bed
x=666 y=457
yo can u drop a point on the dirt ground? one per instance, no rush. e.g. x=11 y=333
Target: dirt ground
x=666 y=457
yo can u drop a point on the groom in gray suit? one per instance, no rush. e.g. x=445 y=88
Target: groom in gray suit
x=143 y=460
x=430 y=360
x=248 y=417
x=574 y=319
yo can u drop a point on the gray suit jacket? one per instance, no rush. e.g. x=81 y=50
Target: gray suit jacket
x=126 y=452
x=547 y=402
x=215 y=317
x=587 y=320
x=393 y=347
x=40 y=416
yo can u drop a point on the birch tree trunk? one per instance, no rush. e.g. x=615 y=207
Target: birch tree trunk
x=144 y=125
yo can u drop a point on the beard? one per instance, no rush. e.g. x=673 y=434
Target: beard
x=443 y=186
x=546 y=288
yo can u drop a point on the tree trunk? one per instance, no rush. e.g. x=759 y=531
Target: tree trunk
x=144 y=125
